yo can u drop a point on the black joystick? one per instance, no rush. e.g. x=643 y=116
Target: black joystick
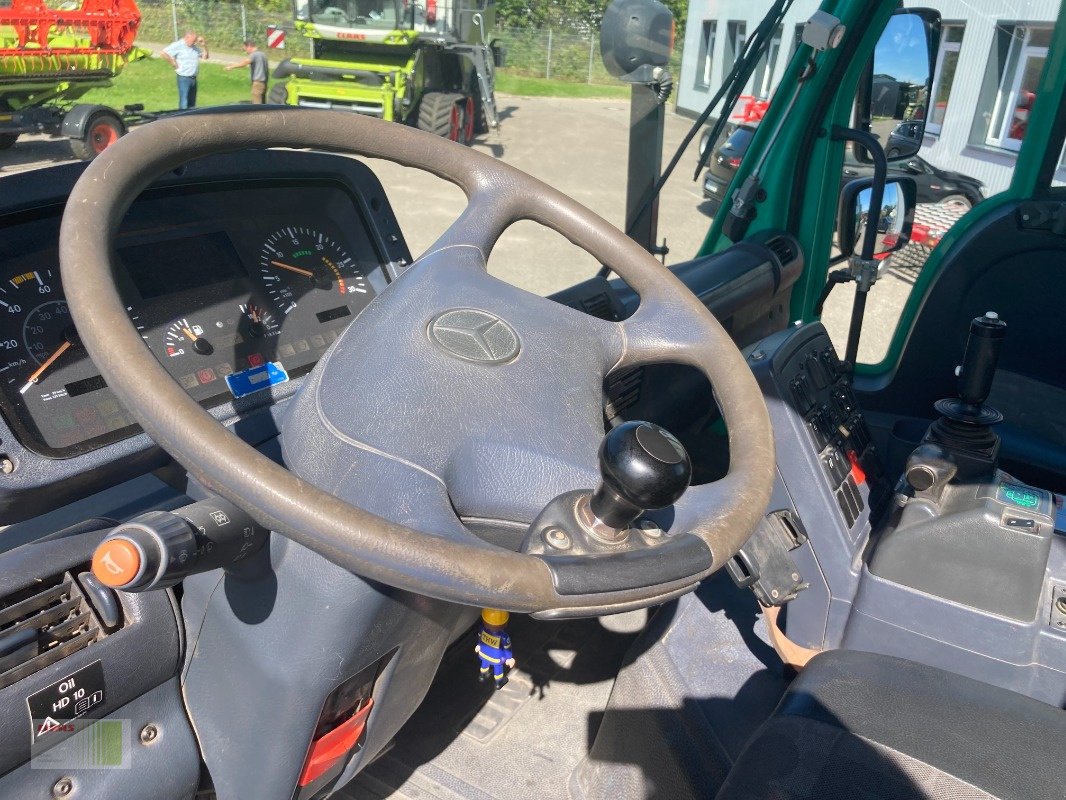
x=976 y=373
x=964 y=428
x=642 y=466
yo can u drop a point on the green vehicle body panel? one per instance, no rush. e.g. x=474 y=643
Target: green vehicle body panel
x=398 y=73
x=34 y=79
x=397 y=56
x=819 y=197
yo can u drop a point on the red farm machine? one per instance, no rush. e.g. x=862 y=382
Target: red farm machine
x=49 y=58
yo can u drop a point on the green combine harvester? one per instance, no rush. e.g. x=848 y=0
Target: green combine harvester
x=49 y=59
x=428 y=65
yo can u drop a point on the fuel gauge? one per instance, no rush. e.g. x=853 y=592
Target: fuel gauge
x=183 y=337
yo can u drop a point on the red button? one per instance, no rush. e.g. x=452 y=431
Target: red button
x=205 y=375
x=255 y=360
x=857 y=472
x=331 y=747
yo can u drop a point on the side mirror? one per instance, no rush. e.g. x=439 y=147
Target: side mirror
x=894 y=219
x=636 y=36
x=894 y=94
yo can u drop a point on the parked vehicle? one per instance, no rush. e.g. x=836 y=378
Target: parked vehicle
x=431 y=65
x=906 y=138
x=934 y=185
x=51 y=57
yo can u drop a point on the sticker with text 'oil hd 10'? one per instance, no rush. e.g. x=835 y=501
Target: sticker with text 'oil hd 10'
x=53 y=709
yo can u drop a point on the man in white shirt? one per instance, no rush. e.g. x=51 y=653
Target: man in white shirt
x=184 y=56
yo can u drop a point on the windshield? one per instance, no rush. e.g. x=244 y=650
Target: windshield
x=372 y=14
x=563 y=118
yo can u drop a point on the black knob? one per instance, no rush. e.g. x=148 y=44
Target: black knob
x=642 y=466
x=979 y=362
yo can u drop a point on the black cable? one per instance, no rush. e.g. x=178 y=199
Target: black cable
x=730 y=90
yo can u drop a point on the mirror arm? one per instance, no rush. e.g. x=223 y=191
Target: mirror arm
x=864 y=268
x=831 y=280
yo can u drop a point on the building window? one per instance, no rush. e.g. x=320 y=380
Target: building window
x=738 y=38
x=764 y=70
x=944 y=75
x=706 y=58
x=797 y=39
x=1009 y=90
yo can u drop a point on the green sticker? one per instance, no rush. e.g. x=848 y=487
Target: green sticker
x=1021 y=496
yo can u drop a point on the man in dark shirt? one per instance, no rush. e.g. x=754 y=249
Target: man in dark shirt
x=260 y=68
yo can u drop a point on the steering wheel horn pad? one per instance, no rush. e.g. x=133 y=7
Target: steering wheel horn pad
x=396 y=436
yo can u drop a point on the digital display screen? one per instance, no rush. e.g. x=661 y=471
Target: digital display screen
x=333 y=313
x=177 y=265
x=85 y=386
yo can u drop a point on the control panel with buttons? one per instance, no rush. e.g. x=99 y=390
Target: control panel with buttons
x=813 y=382
x=829 y=474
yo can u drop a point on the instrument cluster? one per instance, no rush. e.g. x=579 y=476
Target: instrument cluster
x=234 y=291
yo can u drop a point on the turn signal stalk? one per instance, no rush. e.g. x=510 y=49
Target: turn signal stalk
x=160 y=548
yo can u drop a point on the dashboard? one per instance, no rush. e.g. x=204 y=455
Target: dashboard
x=238 y=272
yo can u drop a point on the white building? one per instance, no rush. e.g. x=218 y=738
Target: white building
x=990 y=58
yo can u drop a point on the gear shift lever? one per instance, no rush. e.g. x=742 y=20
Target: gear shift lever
x=642 y=466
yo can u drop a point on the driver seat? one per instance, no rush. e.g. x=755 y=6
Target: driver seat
x=858 y=725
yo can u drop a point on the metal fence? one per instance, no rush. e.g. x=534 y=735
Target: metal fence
x=557 y=54
x=224 y=25
x=564 y=55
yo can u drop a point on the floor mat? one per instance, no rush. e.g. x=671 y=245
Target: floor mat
x=694 y=686
x=470 y=741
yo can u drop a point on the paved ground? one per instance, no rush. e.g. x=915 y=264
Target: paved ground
x=578 y=146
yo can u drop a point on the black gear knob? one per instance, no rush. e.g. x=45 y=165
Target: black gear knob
x=642 y=466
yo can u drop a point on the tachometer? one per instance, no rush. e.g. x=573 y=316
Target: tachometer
x=295 y=262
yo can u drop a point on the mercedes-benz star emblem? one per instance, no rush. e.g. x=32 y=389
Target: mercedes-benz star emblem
x=475 y=335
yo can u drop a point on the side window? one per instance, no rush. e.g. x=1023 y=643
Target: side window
x=985 y=81
x=737 y=38
x=797 y=40
x=764 y=70
x=1010 y=86
x=944 y=75
x=705 y=62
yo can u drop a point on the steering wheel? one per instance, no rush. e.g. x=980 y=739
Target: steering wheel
x=399 y=419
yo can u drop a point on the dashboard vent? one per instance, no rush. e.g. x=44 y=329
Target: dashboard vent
x=783 y=248
x=599 y=305
x=623 y=390
x=42 y=624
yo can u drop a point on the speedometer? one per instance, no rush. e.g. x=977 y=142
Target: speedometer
x=299 y=261
x=35 y=329
x=46 y=377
